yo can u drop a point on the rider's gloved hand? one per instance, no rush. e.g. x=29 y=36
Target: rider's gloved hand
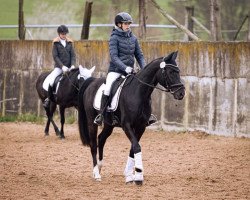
x=129 y=70
x=72 y=67
x=65 y=69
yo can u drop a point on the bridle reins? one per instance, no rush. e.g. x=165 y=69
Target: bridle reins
x=71 y=82
x=169 y=87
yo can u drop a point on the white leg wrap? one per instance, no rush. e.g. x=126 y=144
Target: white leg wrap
x=138 y=161
x=138 y=164
x=138 y=176
x=96 y=173
x=129 y=170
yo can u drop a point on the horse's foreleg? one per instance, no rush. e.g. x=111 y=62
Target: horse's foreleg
x=129 y=169
x=138 y=166
x=106 y=132
x=138 y=169
x=62 y=116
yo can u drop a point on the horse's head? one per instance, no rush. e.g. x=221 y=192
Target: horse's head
x=169 y=76
x=85 y=73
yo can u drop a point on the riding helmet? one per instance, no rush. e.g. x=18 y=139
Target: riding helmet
x=62 y=29
x=123 y=17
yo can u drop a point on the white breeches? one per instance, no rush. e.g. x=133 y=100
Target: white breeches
x=50 y=79
x=111 y=77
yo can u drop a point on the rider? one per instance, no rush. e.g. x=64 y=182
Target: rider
x=123 y=48
x=64 y=57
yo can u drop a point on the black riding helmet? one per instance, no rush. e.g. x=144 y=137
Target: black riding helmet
x=123 y=17
x=62 y=29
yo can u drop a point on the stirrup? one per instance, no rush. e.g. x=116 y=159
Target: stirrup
x=152 y=119
x=46 y=103
x=98 y=120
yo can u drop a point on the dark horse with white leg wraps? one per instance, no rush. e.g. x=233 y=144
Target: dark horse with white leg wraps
x=133 y=112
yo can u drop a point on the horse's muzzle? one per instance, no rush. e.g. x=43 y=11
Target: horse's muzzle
x=179 y=95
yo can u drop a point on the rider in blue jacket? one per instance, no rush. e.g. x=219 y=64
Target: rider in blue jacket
x=123 y=48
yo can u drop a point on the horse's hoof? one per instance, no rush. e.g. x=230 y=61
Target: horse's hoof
x=98 y=179
x=129 y=182
x=58 y=132
x=138 y=183
x=62 y=137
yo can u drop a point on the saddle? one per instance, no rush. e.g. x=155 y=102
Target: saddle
x=57 y=83
x=114 y=95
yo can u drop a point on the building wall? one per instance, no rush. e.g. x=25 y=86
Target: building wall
x=216 y=77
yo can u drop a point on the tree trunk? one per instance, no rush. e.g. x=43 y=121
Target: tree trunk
x=142 y=19
x=173 y=21
x=86 y=21
x=189 y=22
x=215 y=20
x=248 y=35
x=21 y=27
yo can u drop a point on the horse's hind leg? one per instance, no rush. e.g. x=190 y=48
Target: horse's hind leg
x=93 y=149
x=106 y=132
x=49 y=112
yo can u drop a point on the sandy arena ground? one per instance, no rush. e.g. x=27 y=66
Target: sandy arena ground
x=176 y=166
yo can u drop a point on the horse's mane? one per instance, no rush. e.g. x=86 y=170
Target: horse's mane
x=153 y=61
x=150 y=64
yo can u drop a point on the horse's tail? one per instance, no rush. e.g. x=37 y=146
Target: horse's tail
x=82 y=118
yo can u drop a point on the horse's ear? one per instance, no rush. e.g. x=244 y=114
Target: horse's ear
x=169 y=57
x=175 y=55
x=92 y=69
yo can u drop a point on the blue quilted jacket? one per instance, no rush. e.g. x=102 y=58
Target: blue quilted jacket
x=123 y=48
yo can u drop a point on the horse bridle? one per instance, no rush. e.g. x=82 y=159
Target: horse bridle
x=169 y=87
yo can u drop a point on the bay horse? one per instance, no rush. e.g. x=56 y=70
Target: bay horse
x=133 y=112
x=66 y=96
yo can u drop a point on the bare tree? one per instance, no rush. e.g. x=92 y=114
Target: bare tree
x=188 y=21
x=215 y=20
x=86 y=20
x=142 y=19
x=173 y=21
x=21 y=27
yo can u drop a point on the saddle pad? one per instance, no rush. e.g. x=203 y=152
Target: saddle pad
x=114 y=102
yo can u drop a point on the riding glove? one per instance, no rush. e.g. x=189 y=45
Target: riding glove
x=72 y=67
x=65 y=69
x=129 y=70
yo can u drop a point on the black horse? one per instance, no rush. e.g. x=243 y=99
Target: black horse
x=67 y=95
x=133 y=112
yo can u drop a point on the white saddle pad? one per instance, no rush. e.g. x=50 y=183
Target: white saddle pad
x=114 y=102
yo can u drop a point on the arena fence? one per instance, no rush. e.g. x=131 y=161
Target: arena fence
x=216 y=77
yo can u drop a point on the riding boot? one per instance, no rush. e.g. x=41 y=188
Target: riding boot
x=104 y=102
x=46 y=103
x=152 y=119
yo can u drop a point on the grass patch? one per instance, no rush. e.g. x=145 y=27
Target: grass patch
x=22 y=118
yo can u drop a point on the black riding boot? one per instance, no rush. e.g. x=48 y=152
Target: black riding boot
x=46 y=103
x=99 y=118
